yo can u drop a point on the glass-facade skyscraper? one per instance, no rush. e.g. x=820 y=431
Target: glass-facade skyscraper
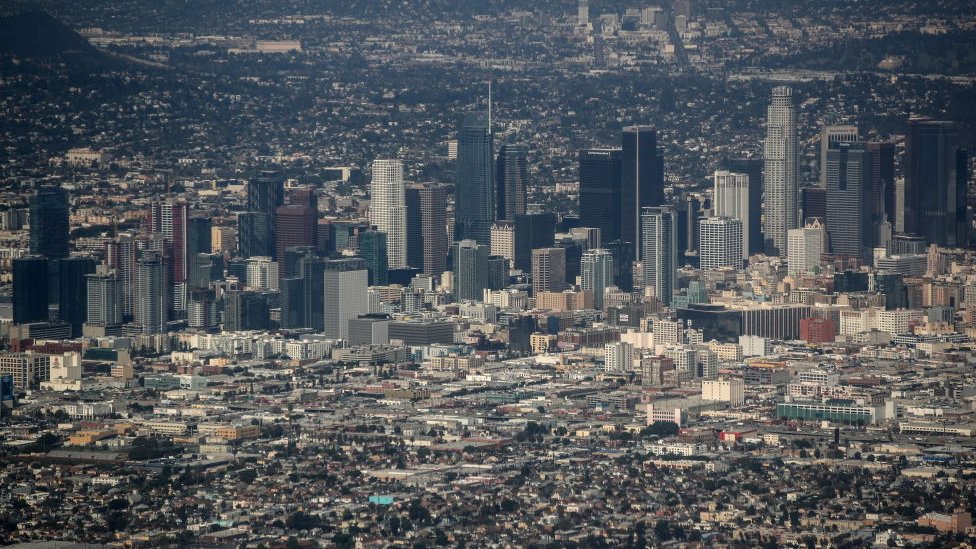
x=475 y=195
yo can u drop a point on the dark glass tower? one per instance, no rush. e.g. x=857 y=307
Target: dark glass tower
x=264 y=194
x=372 y=248
x=49 y=222
x=30 y=289
x=934 y=186
x=752 y=167
x=642 y=175
x=73 y=288
x=255 y=235
x=600 y=191
x=512 y=171
x=882 y=180
x=475 y=195
x=532 y=231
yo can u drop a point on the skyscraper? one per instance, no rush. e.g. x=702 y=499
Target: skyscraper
x=882 y=180
x=732 y=200
x=936 y=182
x=780 y=177
x=548 y=270
x=600 y=191
x=256 y=233
x=470 y=270
x=512 y=171
x=374 y=247
x=659 y=255
x=49 y=222
x=150 y=296
x=345 y=296
x=73 y=289
x=296 y=227
x=848 y=178
x=642 y=178
x=806 y=246
x=721 y=243
x=427 y=228
x=475 y=195
x=170 y=221
x=532 y=231
x=813 y=203
x=30 y=289
x=623 y=264
x=752 y=168
x=388 y=210
x=120 y=255
x=596 y=273
x=828 y=136
x=104 y=297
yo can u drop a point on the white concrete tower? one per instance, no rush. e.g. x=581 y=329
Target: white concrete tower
x=732 y=200
x=388 y=210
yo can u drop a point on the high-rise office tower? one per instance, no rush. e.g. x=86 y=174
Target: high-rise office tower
x=780 y=175
x=265 y=193
x=732 y=200
x=548 y=270
x=104 y=295
x=303 y=196
x=49 y=222
x=574 y=254
x=470 y=270
x=345 y=296
x=475 y=195
x=813 y=203
x=427 y=228
x=255 y=235
x=882 y=180
x=170 y=221
x=828 y=136
x=806 y=246
x=503 y=240
x=596 y=273
x=623 y=264
x=388 y=210
x=512 y=171
x=150 y=296
x=223 y=240
x=497 y=277
x=199 y=232
x=313 y=275
x=292 y=303
x=752 y=168
x=721 y=243
x=848 y=178
x=936 y=181
x=532 y=231
x=374 y=248
x=600 y=188
x=245 y=310
x=642 y=179
x=30 y=289
x=73 y=289
x=296 y=227
x=120 y=255
x=659 y=255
